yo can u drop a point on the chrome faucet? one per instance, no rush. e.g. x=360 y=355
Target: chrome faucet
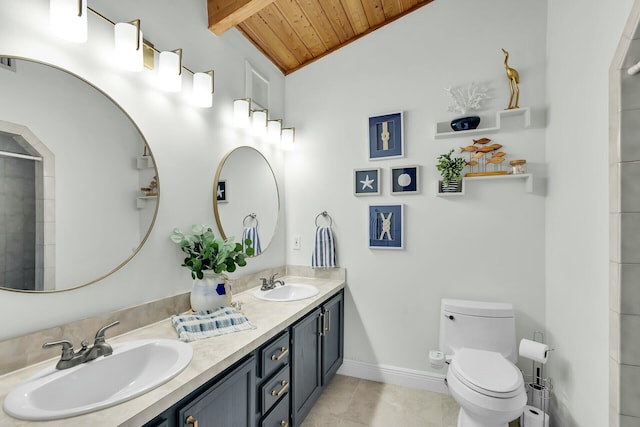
x=71 y=358
x=270 y=283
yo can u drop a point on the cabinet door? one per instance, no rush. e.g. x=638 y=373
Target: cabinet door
x=333 y=337
x=306 y=366
x=230 y=402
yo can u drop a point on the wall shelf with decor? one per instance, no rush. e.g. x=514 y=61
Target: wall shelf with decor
x=527 y=177
x=443 y=129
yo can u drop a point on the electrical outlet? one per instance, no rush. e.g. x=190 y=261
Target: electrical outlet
x=296 y=242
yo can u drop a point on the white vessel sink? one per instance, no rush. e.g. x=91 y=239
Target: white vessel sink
x=288 y=292
x=133 y=369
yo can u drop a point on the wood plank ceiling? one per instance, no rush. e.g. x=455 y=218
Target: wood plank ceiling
x=294 y=33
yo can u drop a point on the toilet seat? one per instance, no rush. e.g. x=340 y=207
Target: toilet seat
x=487 y=373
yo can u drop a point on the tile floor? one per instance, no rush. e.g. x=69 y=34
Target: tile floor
x=353 y=402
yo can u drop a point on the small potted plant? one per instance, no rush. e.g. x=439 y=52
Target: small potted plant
x=451 y=171
x=208 y=258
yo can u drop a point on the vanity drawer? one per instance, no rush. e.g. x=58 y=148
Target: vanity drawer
x=274 y=355
x=279 y=417
x=275 y=388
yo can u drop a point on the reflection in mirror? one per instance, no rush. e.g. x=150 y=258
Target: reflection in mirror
x=78 y=184
x=246 y=201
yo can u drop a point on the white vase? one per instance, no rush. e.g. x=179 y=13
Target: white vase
x=208 y=293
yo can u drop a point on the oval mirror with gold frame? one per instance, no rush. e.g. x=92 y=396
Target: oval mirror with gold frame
x=80 y=189
x=246 y=200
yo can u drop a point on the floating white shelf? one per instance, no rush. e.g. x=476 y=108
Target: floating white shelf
x=443 y=129
x=528 y=182
x=144 y=162
x=141 y=201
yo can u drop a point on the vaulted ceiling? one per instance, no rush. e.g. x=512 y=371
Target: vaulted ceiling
x=294 y=33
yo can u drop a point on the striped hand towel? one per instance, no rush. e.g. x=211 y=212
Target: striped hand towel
x=251 y=233
x=209 y=323
x=324 y=249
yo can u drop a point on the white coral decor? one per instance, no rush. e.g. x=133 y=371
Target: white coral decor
x=467 y=99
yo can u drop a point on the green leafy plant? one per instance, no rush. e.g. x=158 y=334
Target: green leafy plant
x=206 y=252
x=450 y=168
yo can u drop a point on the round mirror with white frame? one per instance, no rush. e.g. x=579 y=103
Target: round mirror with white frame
x=80 y=189
x=246 y=201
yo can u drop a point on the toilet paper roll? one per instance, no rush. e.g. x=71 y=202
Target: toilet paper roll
x=534 y=350
x=534 y=417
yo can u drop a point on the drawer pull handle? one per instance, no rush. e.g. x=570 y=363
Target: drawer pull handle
x=283 y=352
x=192 y=420
x=285 y=386
x=283 y=423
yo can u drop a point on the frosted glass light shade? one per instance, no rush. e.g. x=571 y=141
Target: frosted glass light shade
x=259 y=122
x=288 y=138
x=68 y=19
x=241 y=112
x=170 y=71
x=203 y=90
x=274 y=131
x=128 y=46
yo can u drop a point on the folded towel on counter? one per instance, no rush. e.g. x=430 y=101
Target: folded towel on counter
x=324 y=249
x=209 y=323
x=251 y=233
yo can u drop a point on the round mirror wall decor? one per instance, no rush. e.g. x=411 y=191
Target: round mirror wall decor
x=79 y=189
x=246 y=200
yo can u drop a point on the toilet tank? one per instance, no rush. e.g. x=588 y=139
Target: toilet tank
x=477 y=324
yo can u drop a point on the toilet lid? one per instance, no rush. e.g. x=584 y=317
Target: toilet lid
x=487 y=372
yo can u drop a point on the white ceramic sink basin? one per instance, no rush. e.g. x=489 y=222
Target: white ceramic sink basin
x=288 y=292
x=133 y=369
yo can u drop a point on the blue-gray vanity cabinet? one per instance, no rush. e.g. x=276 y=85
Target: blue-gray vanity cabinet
x=273 y=382
x=230 y=402
x=317 y=342
x=332 y=337
x=227 y=400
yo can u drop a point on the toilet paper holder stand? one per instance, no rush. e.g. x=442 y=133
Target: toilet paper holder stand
x=538 y=388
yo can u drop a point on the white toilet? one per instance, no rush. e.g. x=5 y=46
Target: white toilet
x=479 y=341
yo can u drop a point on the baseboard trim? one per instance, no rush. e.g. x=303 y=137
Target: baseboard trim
x=394 y=375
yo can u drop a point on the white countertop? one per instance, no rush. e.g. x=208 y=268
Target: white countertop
x=210 y=357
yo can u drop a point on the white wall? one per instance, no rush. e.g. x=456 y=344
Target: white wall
x=187 y=142
x=487 y=245
x=581 y=45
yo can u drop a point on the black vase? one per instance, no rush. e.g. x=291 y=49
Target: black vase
x=465 y=123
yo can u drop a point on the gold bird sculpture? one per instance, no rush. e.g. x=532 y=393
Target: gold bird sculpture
x=514 y=81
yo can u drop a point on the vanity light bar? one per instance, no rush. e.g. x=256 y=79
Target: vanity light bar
x=258 y=120
x=72 y=10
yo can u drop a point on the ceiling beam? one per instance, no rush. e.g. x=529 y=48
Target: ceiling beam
x=226 y=14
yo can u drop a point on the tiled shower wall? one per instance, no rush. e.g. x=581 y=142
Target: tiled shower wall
x=624 y=161
x=17 y=223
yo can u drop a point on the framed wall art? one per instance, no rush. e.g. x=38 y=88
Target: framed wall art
x=386 y=136
x=405 y=180
x=386 y=227
x=366 y=182
x=221 y=191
